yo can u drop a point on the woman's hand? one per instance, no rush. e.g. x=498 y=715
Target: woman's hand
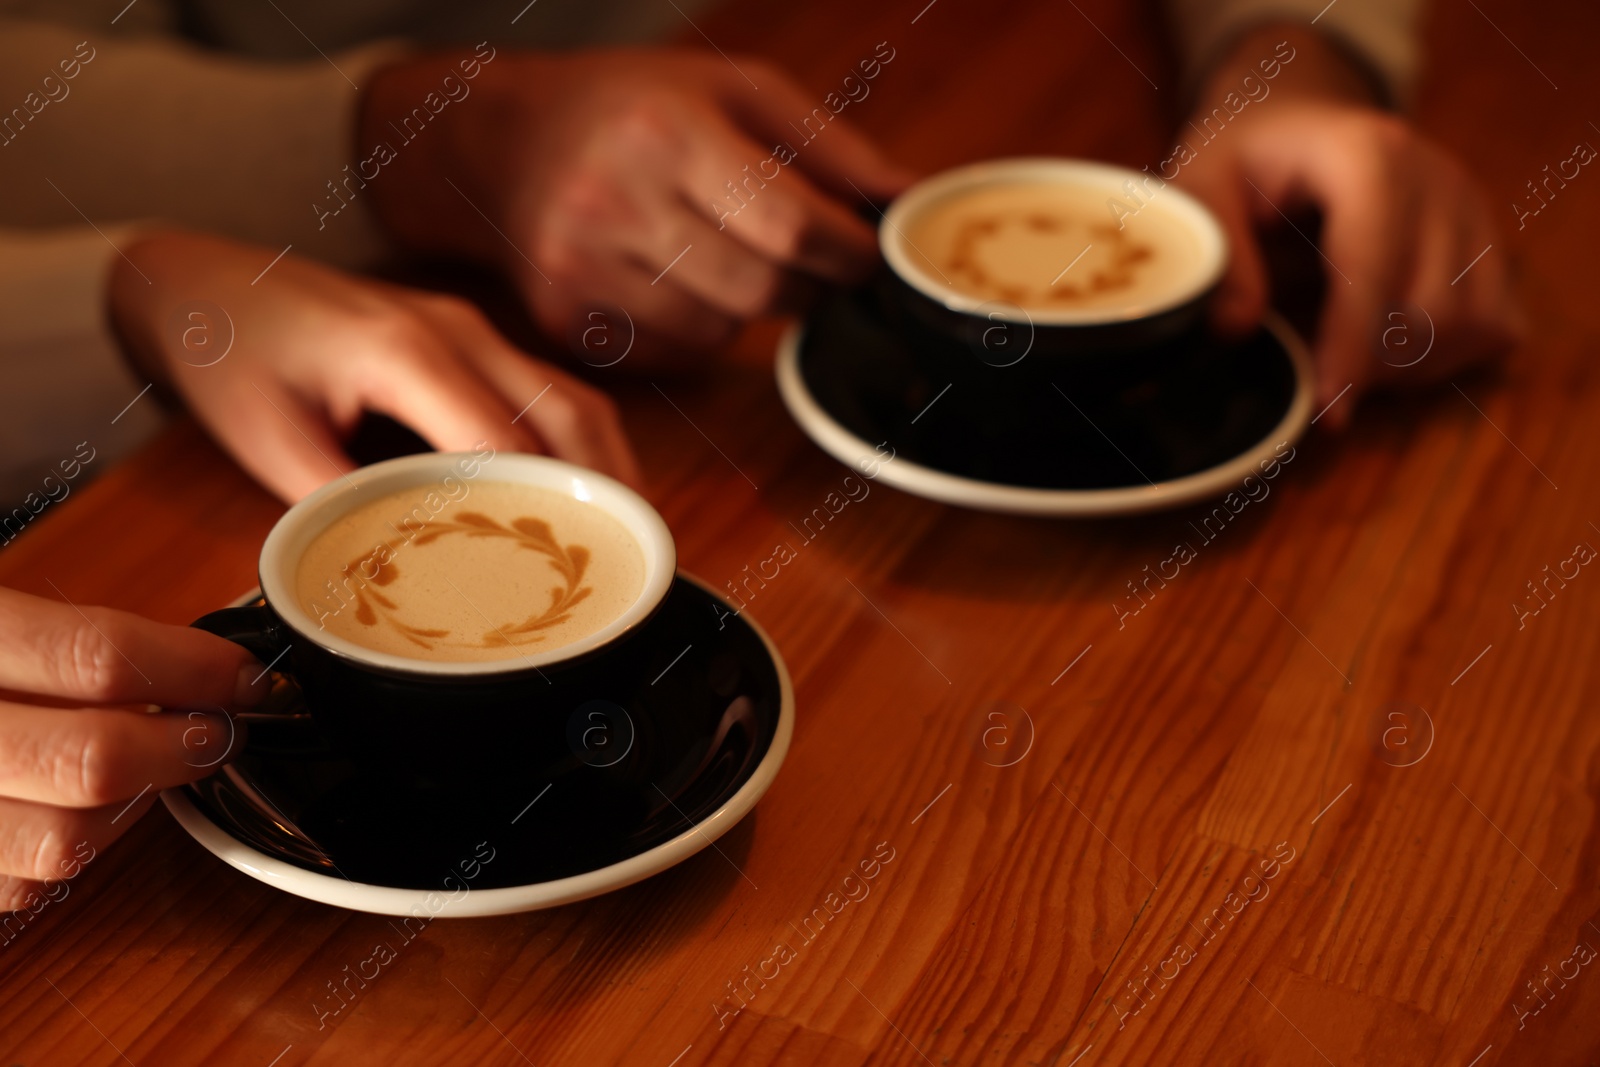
x=280 y=363
x=81 y=756
x=657 y=181
x=1406 y=231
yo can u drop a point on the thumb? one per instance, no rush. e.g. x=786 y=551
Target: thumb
x=1241 y=298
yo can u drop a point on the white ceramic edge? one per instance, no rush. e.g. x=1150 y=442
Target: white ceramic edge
x=507 y=900
x=1206 y=228
x=287 y=539
x=921 y=481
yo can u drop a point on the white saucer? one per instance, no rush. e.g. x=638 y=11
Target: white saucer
x=942 y=486
x=392 y=900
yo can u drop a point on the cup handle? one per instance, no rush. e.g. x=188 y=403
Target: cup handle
x=257 y=628
x=253 y=626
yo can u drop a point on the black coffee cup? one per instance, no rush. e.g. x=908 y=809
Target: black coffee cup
x=1122 y=338
x=540 y=714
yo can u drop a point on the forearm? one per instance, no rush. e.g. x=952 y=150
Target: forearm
x=141 y=279
x=419 y=126
x=1376 y=40
x=1297 y=61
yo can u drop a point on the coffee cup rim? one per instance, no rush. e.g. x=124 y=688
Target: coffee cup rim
x=294 y=530
x=893 y=242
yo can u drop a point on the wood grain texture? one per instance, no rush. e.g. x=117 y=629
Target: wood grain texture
x=1043 y=876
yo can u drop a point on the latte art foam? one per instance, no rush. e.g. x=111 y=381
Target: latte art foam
x=1053 y=246
x=502 y=571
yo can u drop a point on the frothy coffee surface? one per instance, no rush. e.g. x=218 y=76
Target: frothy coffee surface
x=1054 y=246
x=485 y=571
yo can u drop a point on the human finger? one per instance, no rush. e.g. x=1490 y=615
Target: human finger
x=713 y=267
x=104 y=656
x=653 y=305
x=781 y=215
x=1368 y=234
x=845 y=163
x=1241 y=297
x=1459 y=281
x=19 y=894
x=91 y=757
x=38 y=841
x=416 y=376
x=574 y=421
x=282 y=440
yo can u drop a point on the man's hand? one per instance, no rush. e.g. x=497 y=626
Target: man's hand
x=81 y=756
x=602 y=180
x=1402 y=221
x=278 y=369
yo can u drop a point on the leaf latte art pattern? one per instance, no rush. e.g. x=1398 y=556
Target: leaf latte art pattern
x=374 y=608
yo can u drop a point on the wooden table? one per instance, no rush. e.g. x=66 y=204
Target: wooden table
x=1066 y=801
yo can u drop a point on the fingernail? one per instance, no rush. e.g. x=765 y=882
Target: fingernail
x=251 y=686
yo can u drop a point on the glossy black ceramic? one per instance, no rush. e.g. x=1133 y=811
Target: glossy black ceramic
x=422 y=730
x=1111 y=346
x=706 y=717
x=1009 y=418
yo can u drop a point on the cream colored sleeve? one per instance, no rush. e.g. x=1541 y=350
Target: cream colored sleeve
x=149 y=128
x=103 y=134
x=65 y=392
x=1383 y=33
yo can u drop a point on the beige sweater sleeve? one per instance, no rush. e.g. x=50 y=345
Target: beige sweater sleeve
x=108 y=129
x=1383 y=33
x=102 y=134
x=67 y=399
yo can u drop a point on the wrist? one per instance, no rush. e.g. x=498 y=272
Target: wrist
x=133 y=295
x=163 y=298
x=1296 y=61
x=421 y=126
